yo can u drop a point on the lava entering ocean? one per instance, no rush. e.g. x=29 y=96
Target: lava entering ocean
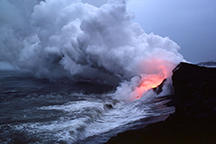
x=156 y=71
x=56 y=39
x=151 y=81
x=159 y=70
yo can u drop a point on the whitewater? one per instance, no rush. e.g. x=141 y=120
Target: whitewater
x=39 y=111
x=81 y=73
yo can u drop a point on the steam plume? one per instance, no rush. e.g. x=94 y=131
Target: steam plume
x=55 y=38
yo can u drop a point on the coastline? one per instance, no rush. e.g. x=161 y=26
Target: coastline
x=194 y=118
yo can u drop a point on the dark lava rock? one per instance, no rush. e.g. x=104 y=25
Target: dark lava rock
x=158 y=89
x=108 y=106
x=194 y=121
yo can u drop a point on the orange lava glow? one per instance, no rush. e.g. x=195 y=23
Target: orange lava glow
x=150 y=81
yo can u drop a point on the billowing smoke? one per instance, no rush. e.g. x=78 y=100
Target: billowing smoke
x=55 y=38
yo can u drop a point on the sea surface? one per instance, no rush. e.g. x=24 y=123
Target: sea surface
x=36 y=111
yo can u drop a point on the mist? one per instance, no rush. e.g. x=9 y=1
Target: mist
x=54 y=39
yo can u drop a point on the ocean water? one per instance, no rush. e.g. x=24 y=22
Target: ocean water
x=37 y=111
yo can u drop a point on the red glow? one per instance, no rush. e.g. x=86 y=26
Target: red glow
x=160 y=70
x=150 y=82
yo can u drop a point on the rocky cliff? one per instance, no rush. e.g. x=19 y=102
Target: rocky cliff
x=194 y=120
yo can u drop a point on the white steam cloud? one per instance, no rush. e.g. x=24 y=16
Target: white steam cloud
x=54 y=38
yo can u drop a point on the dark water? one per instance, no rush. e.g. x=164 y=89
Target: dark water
x=42 y=111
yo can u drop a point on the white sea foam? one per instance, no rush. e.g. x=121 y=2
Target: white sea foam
x=55 y=38
x=86 y=118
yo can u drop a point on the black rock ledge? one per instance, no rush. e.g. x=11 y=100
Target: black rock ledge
x=193 y=122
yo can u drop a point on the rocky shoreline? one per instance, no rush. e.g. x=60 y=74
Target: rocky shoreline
x=194 y=120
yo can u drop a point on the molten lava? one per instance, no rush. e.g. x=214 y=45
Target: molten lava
x=151 y=81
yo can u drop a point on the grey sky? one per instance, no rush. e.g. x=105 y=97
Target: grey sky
x=191 y=24
x=95 y=2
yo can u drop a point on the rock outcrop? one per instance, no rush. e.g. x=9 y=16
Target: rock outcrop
x=194 y=121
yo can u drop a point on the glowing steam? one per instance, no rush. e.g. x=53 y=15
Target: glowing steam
x=55 y=38
x=158 y=70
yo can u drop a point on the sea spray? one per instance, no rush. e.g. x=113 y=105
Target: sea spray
x=86 y=43
x=70 y=41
